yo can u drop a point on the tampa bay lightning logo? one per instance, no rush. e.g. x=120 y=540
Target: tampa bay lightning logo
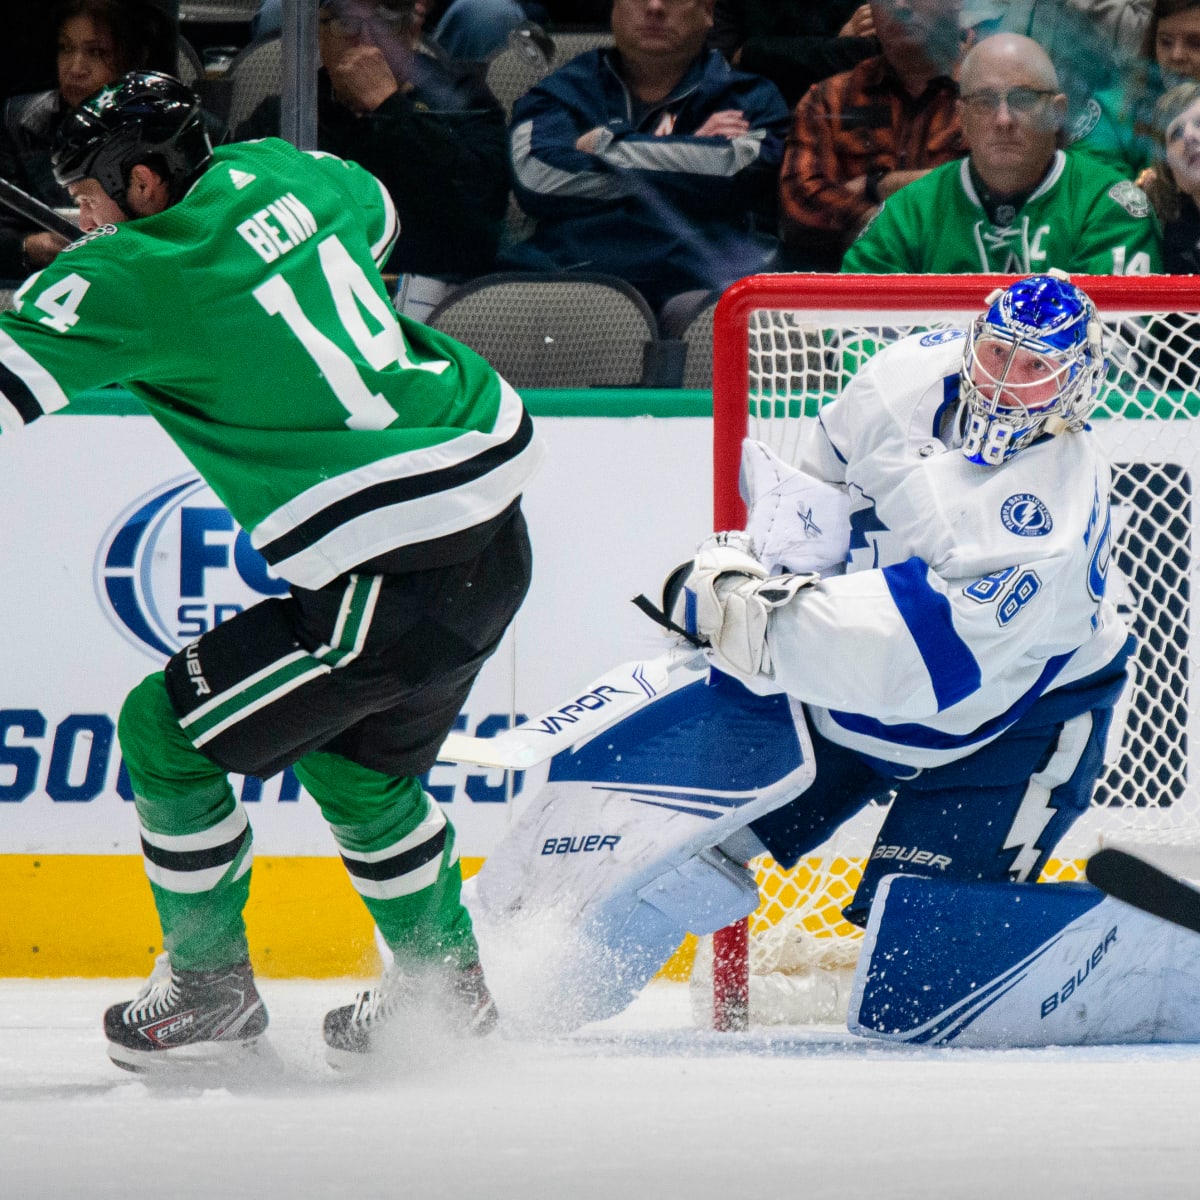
x=174 y=565
x=939 y=336
x=1026 y=516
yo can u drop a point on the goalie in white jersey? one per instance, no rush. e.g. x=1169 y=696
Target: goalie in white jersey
x=967 y=657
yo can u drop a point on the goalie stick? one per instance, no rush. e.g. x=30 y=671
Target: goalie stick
x=1131 y=879
x=34 y=210
x=603 y=702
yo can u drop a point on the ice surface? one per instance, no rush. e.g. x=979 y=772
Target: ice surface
x=640 y=1106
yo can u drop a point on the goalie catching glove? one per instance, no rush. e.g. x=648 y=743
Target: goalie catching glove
x=724 y=597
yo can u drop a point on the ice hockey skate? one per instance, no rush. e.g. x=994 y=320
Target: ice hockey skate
x=183 y=1018
x=407 y=1004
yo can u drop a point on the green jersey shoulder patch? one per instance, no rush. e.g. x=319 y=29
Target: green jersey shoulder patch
x=1084 y=122
x=1130 y=197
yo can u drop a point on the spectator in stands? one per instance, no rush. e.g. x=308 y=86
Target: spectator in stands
x=471 y=30
x=1120 y=127
x=426 y=127
x=1174 y=188
x=1017 y=203
x=860 y=136
x=97 y=41
x=652 y=160
x=793 y=43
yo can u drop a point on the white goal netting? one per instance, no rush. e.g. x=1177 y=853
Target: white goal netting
x=785 y=345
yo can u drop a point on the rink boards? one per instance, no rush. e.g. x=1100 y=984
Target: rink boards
x=116 y=555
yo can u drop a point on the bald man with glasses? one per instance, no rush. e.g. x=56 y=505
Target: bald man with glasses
x=1016 y=203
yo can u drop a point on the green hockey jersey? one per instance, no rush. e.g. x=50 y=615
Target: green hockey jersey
x=251 y=321
x=1083 y=218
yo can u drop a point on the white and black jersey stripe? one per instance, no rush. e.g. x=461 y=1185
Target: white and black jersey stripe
x=27 y=390
x=434 y=492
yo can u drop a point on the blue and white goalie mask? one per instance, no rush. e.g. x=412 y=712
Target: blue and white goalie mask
x=1033 y=365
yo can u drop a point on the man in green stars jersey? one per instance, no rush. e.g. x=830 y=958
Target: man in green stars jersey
x=1017 y=203
x=378 y=467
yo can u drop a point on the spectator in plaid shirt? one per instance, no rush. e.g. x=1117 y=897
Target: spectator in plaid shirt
x=859 y=136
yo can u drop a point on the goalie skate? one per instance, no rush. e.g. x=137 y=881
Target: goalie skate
x=455 y=997
x=186 y=1017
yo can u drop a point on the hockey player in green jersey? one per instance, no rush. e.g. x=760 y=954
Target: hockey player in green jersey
x=1016 y=204
x=377 y=466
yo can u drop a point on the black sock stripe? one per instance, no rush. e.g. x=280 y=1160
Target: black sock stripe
x=195 y=860
x=399 y=864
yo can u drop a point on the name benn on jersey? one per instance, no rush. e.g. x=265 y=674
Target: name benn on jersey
x=278 y=228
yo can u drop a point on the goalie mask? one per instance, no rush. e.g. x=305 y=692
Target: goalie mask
x=145 y=117
x=1033 y=365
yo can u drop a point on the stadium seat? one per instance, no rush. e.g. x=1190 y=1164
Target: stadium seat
x=255 y=73
x=689 y=318
x=569 y=45
x=531 y=54
x=528 y=58
x=556 y=330
x=6 y=299
x=217 y=11
x=188 y=67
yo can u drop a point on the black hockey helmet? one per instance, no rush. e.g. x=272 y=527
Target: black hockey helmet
x=144 y=117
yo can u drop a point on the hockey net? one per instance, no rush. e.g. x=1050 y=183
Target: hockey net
x=783 y=345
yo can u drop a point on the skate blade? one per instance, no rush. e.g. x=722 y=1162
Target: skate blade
x=202 y=1058
x=355 y=1062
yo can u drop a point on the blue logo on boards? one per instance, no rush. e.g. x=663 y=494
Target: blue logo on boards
x=939 y=336
x=174 y=565
x=1026 y=516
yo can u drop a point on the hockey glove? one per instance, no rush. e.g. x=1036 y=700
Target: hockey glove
x=725 y=600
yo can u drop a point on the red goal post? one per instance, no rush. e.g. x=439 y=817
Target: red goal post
x=784 y=344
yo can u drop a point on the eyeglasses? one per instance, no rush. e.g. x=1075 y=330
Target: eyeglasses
x=381 y=21
x=1020 y=100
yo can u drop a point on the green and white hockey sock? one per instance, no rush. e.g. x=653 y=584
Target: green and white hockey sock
x=400 y=852
x=196 y=838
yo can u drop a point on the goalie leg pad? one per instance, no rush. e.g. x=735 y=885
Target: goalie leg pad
x=1059 y=964
x=603 y=866
x=703 y=894
x=631 y=934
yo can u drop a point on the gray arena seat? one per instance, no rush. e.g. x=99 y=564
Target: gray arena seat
x=531 y=54
x=188 y=67
x=689 y=318
x=527 y=58
x=217 y=11
x=255 y=73
x=555 y=330
x=569 y=45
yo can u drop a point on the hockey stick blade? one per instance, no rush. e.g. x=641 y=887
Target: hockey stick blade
x=32 y=209
x=603 y=702
x=1131 y=879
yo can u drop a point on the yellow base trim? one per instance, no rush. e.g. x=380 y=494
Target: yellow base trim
x=93 y=916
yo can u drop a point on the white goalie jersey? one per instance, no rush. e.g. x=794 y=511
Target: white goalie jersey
x=969 y=591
